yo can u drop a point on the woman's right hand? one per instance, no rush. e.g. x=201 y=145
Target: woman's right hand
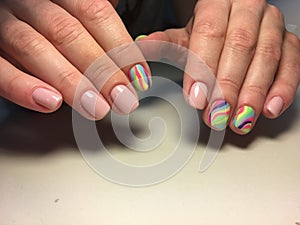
x=46 y=47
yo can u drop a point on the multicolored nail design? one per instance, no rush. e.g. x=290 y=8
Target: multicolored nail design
x=244 y=119
x=140 y=78
x=219 y=114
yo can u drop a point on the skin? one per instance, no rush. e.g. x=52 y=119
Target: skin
x=69 y=38
x=68 y=41
x=254 y=59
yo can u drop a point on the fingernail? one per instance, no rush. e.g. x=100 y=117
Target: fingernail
x=94 y=104
x=219 y=114
x=140 y=37
x=275 y=106
x=46 y=98
x=140 y=78
x=198 y=95
x=124 y=100
x=244 y=119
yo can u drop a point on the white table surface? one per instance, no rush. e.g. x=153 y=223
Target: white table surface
x=254 y=180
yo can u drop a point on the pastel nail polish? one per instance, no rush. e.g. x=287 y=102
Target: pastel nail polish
x=46 y=98
x=139 y=78
x=94 y=104
x=219 y=114
x=244 y=119
x=198 y=95
x=123 y=99
x=275 y=106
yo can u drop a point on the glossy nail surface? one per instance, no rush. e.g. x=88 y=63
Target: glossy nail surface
x=47 y=98
x=94 y=104
x=139 y=78
x=198 y=95
x=244 y=119
x=219 y=114
x=123 y=99
x=275 y=106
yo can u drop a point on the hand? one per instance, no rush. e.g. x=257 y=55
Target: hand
x=256 y=62
x=46 y=47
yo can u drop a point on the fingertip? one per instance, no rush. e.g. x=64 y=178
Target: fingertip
x=140 y=77
x=273 y=107
x=46 y=98
x=94 y=105
x=244 y=120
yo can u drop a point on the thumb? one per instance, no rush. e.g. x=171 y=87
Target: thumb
x=171 y=44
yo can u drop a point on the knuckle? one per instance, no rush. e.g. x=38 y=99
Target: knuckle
x=230 y=83
x=67 y=79
x=292 y=65
x=64 y=30
x=241 y=40
x=95 y=10
x=269 y=50
x=258 y=89
x=26 y=42
x=276 y=12
x=293 y=40
x=209 y=28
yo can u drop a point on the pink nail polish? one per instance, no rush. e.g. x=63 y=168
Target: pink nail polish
x=275 y=106
x=94 y=104
x=47 y=98
x=123 y=99
x=198 y=95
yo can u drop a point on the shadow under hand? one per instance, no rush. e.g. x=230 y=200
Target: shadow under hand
x=24 y=131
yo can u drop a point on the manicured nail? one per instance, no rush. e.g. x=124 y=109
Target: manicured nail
x=140 y=37
x=47 y=98
x=94 y=104
x=275 y=106
x=124 y=100
x=244 y=119
x=219 y=114
x=139 y=78
x=198 y=95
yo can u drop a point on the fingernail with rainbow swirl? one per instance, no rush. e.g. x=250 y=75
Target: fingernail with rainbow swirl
x=139 y=78
x=244 y=119
x=219 y=114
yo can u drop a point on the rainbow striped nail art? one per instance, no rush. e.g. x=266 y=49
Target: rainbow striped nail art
x=244 y=119
x=219 y=114
x=139 y=77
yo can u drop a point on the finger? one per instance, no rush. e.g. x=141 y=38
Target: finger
x=78 y=46
x=170 y=44
x=239 y=47
x=102 y=21
x=261 y=72
x=207 y=38
x=285 y=86
x=39 y=57
x=27 y=91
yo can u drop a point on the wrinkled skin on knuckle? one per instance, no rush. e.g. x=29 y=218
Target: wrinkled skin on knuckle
x=209 y=28
x=26 y=42
x=92 y=10
x=270 y=50
x=64 y=30
x=241 y=40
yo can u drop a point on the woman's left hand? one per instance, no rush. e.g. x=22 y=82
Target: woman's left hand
x=256 y=62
